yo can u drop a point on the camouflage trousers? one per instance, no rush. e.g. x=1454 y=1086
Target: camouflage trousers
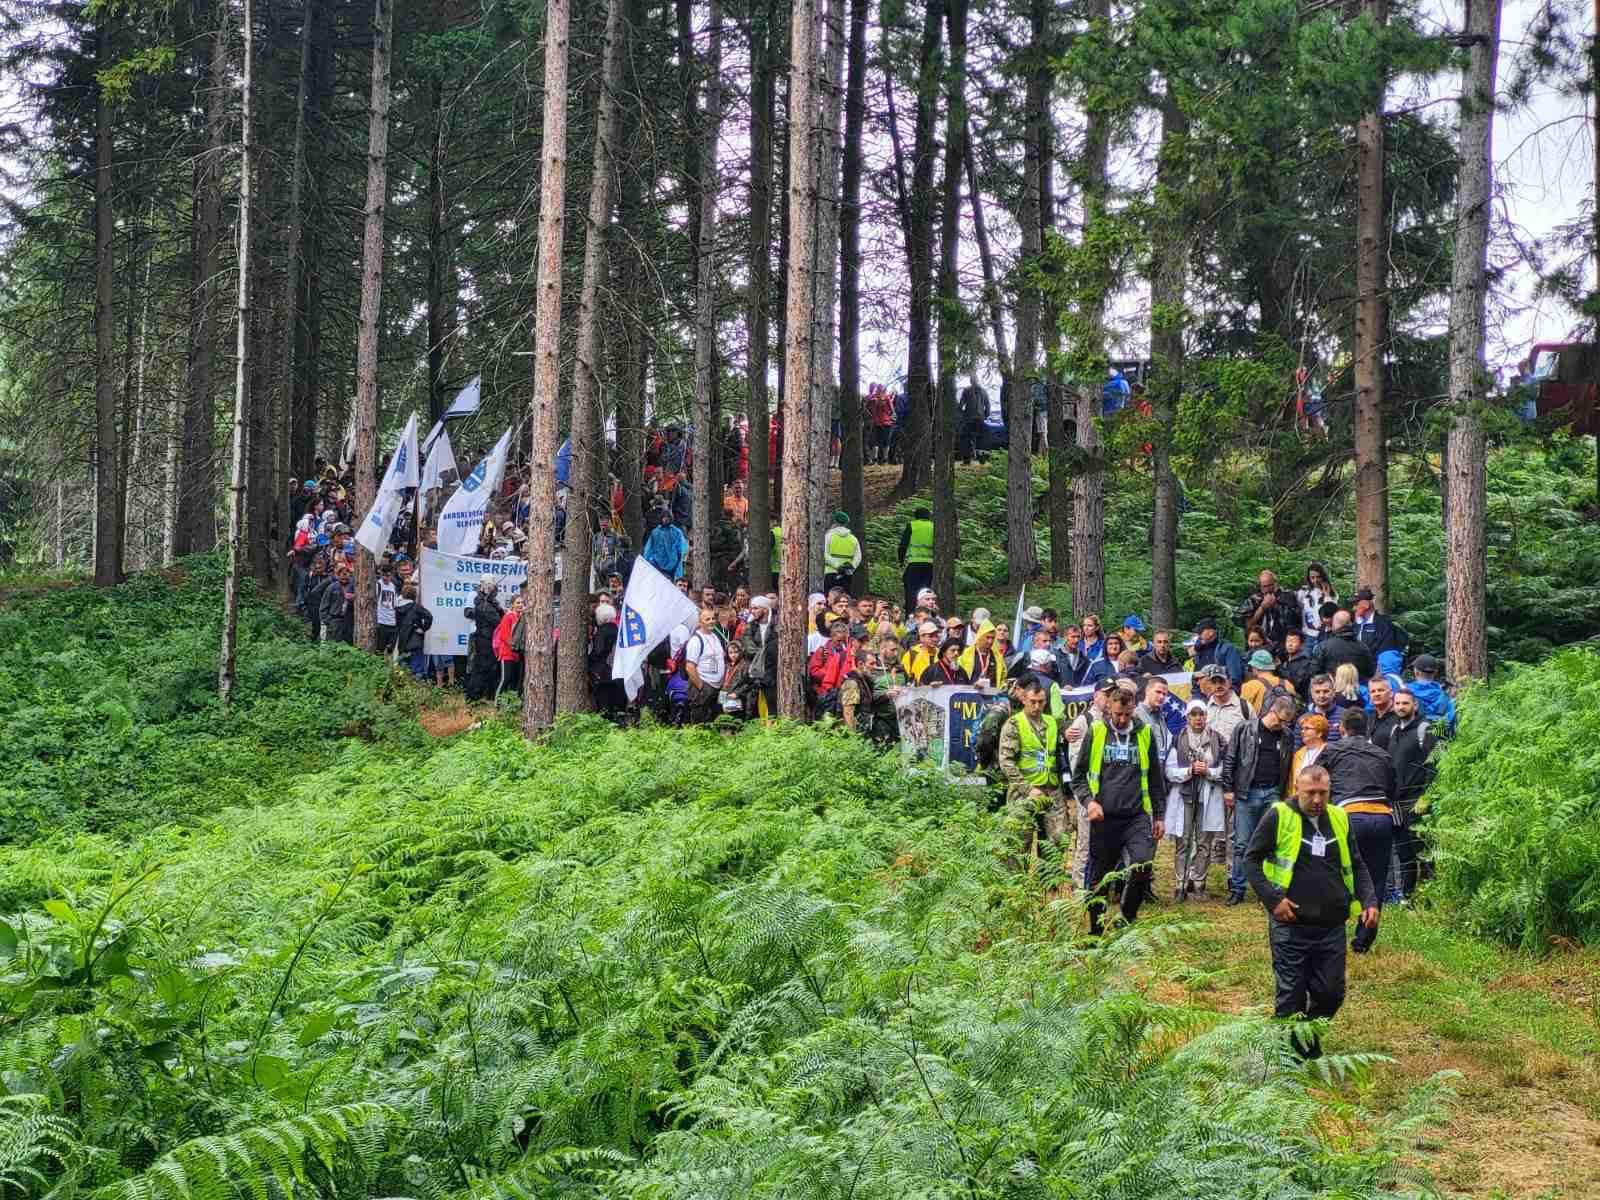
x=1029 y=819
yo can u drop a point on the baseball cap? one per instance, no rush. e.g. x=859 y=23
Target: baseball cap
x=1033 y=613
x=1203 y=624
x=1425 y=662
x=1040 y=658
x=1108 y=684
x=1132 y=621
x=1213 y=671
x=1261 y=660
x=927 y=594
x=1364 y=593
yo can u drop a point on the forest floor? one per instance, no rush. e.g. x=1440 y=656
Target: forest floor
x=1521 y=1033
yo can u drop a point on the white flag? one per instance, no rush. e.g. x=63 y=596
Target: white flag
x=440 y=459
x=461 y=522
x=402 y=474
x=651 y=608
x=466 y=401
x=347 y=448
x=438 y=428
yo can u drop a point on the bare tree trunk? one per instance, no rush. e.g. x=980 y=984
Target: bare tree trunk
x=1088 y=485
x=441 y=299
x=197 y=521
x=1058 y=483
x=588 y=436
x=1022 y=556
x=763 y=102
x=307 y=379
x=371 y=306
x=918 y=232
x=991 y=281
x=107 y=539
x=946 y=526
x=1372 y=463
x=852 y=450
x=1168 y=285
x=1466 y=617
x=538 y=696
x=293 y=237
x=797 y=428
x=705 y=342
x=824 y=384
x=239 y=478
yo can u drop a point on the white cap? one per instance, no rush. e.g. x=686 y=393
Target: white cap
x=979 y=616
x=816 y=598
x=760 y=602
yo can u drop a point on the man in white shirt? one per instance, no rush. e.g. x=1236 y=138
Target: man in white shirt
x=705 y=662
x=387 y=594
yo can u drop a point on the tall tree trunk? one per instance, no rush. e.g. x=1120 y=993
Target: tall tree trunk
x=371 y=307
x=991 y=281
x=763 y=102
x=107 y=535
x=918 y=232
x=292 y=240
x=197 y=499
x=825 y=280
x=1022 y=556
x=130 y=368
x=852 y=450
x=588 y=435
x=797 y=351
x=1466 y=617
x=1059 y=483
x=946 y=526
x=239 y=477
x=308 y=344
x=1169 y=279
x=263 y=436
x=441 y=299
x=1088 y=484
x=705 y=341
x=538 y=694
x=1372 y=463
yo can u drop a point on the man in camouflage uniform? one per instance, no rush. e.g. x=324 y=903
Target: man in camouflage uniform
x=1027 y=759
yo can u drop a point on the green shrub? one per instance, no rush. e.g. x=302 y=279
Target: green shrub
x=656 y=963
x=1514 y=815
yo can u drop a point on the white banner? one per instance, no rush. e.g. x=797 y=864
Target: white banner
x=448 y=584
x=402 y=474
x=461 y=522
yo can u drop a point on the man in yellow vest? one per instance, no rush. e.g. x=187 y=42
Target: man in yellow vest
x=1116 y=780
x=841 y=554
x=916 y=554
x=1027 y=760
x=1307 y=870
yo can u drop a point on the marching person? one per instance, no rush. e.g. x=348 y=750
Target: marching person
x=1195 y=816
x=1115 y=779
x=916 y=555
x=1411 y=745
x=485 y=613
x=1308 y=872
x=1027 y=761
x=1362 y=783
x=841 y=555
x=1255 y=776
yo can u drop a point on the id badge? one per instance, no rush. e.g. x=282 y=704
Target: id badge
x=1319 y=845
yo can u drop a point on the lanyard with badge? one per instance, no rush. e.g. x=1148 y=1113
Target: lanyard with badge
x=1318 y=844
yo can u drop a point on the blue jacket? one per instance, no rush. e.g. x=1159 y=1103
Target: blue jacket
x=1434 y=703
x=1223 y=654
x=665 y=550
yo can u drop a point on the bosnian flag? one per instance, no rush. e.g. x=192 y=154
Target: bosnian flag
x=402 y=474
x=652 y=607
x=461 y=521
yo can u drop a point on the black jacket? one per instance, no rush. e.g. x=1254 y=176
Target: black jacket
x=484 y=612
x=1410 y=747
x=601 y=647
x=1272 y=623
x=409 y=627
x=1342 y=647
x=1151 y=665
x=1239 y=766
x=1297 y=673
x=1383 y=634
x=762 y=656
x=1317 y=888
x=1120 y=795
x=1380 y=728
x=338 y=613
x=1358 y=770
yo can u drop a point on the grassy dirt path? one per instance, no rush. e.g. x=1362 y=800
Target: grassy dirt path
x=1522 y=1032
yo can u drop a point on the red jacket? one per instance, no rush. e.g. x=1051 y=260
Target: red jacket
x=502 y=637
x=830 y=664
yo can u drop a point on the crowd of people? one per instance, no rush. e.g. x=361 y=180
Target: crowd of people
x=1292 y=769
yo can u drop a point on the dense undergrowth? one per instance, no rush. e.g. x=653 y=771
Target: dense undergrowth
x=109 y=703
x=659 y=963
x=1543 y=562
x=1514 y=815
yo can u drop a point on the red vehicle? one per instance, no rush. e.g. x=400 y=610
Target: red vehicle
x=1566 y=374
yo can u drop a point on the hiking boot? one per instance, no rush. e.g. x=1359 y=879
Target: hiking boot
x=1233 y=900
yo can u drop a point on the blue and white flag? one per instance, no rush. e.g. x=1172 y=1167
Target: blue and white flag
x=440 y=459
x=467 y=400
x=402 y=474
x=461 y=522
x=652 y=607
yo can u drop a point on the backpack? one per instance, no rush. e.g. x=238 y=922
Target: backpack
x=986 y=747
